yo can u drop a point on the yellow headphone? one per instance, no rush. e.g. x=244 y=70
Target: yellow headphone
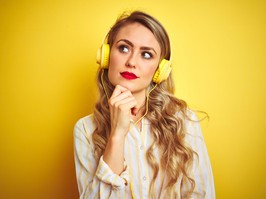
x=160 y=74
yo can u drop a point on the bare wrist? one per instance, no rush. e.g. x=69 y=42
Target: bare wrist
x=117 y=135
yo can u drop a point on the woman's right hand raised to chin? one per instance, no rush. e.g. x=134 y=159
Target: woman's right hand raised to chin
x=121 y=104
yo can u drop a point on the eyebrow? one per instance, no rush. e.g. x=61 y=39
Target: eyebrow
x=132 y=45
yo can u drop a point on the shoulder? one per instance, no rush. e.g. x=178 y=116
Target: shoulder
x=187 y=116
x=192 y=130
x=84 y=126
x=192 y=125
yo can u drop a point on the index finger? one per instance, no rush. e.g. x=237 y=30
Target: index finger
x=118 y=90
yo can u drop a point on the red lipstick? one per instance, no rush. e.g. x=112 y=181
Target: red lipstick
x=128 y=75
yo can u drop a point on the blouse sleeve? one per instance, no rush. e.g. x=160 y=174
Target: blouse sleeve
x=95 y=179
x=201 y=169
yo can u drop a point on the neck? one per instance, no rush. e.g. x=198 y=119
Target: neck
x=144 y=105
x=141 y=102
x=147 y=101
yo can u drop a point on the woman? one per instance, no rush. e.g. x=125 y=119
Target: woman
x=141 y=141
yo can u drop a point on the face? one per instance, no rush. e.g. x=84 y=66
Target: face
x=134 y=58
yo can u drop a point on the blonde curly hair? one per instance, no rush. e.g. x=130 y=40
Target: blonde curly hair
x=163 y=106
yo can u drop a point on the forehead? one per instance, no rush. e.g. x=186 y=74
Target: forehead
x=138 y=34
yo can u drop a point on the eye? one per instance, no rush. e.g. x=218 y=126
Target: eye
x=147 y=55
x=123 y=49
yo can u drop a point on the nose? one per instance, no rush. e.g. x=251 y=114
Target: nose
x=131 y=61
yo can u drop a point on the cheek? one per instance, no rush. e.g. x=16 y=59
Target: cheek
x=113 y=68
x=151 y=71
x=111 y=76
x=114 y=59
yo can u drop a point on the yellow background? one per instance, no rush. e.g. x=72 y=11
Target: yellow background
x=47 y=82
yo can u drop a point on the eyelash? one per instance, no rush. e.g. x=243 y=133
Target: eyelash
x=122 y=48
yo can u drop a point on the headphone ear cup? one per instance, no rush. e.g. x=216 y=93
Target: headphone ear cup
x=103 y=56
x=162 y=71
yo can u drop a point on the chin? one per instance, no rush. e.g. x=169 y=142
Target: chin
x=125 y=85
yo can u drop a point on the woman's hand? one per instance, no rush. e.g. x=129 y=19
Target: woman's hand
x=121 y=104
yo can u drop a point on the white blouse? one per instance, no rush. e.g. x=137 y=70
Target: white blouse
x=96 y=180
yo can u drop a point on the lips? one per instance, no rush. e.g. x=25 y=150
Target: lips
x=129 y=75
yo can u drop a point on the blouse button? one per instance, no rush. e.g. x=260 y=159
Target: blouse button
x=141 y=147
x=144 y=178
